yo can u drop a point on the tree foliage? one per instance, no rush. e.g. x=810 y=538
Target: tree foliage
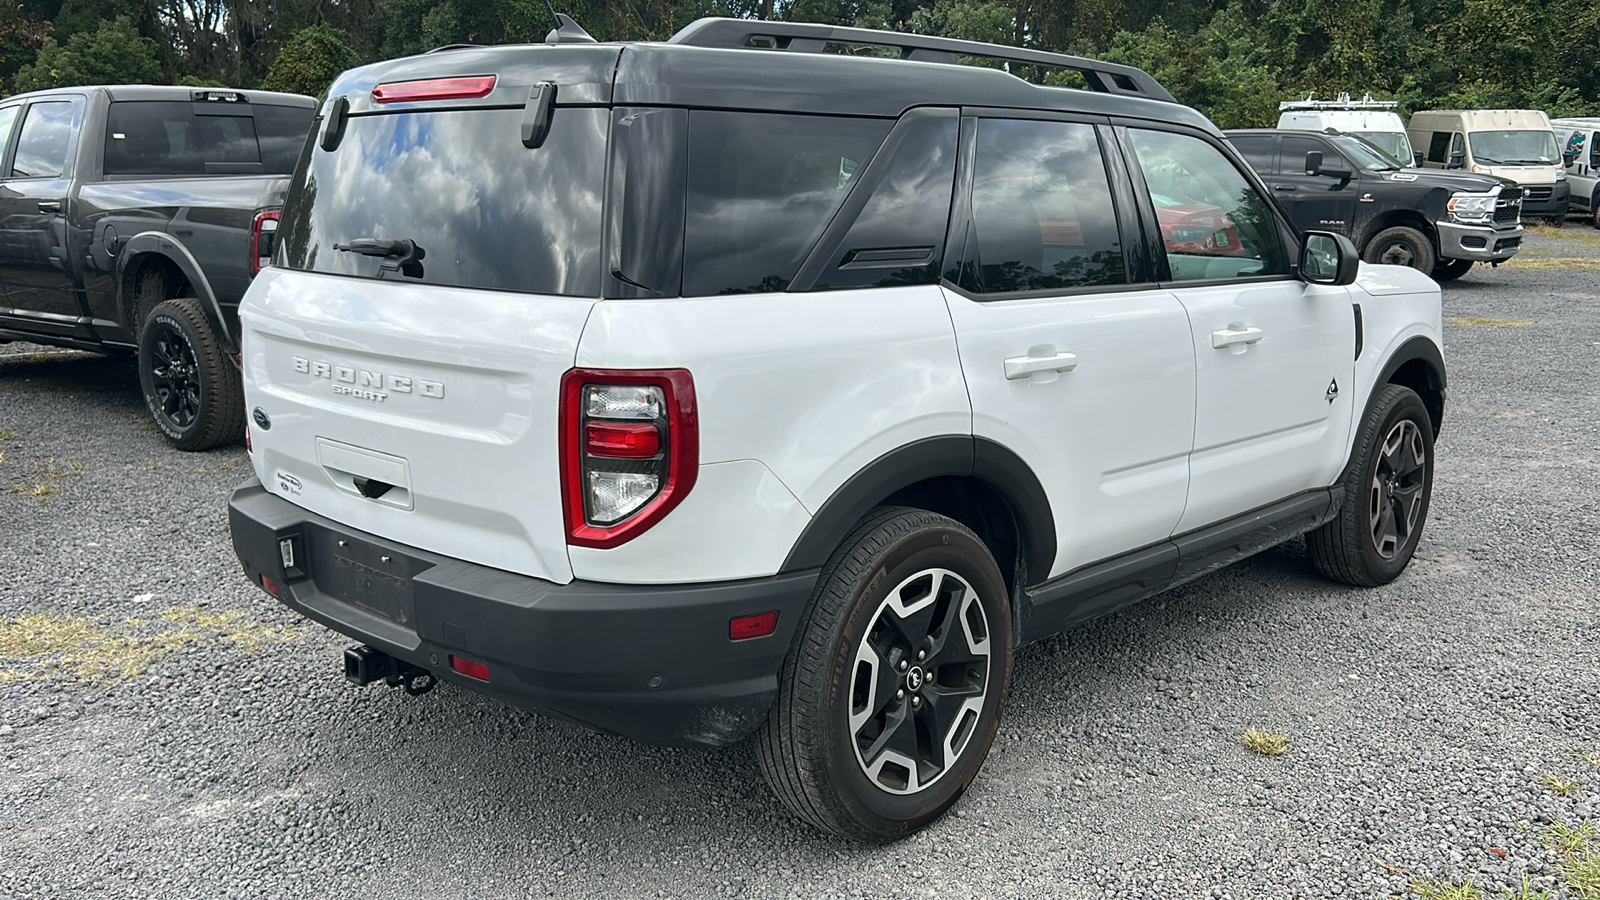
x=1234 y=59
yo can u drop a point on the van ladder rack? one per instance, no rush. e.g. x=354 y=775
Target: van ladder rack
x=796 y=37
x=1343 y=101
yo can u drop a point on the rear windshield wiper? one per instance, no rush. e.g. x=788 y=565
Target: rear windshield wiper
x=399 y=254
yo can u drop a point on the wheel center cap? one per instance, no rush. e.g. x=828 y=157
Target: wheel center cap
x=914 y=678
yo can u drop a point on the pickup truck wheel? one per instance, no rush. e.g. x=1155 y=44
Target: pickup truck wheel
x=891 y=696
x=190 y=384
x=1451 y=269
x=1401 y=246
x=1556 y=221
x=1594 y=210
x=1386 y=492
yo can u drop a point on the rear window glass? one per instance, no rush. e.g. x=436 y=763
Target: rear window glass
x=485 y=211
x=169 y=138
x=761 y=189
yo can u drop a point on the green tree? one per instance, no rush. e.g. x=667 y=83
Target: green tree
x=114 y=53
x=310 y=61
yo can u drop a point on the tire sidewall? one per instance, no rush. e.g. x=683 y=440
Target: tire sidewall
x=937 y=547
x=1422 y=250
x=1407 y=406
x=161 y=319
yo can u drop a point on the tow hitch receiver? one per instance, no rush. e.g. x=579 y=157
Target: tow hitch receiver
x=363 y=665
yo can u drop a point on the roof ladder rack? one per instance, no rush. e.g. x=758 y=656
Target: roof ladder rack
x=1343 y=101
x=796 y=37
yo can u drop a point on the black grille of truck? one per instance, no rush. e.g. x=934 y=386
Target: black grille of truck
x=1508 y=209
x=1539 y=193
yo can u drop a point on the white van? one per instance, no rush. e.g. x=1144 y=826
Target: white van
x=1579 y=143
x=1512 y=143
x=1367 y=118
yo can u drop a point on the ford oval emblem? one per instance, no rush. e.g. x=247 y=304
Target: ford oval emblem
x=261 y=418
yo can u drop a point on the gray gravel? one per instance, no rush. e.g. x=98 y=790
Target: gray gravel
x=1420 y=714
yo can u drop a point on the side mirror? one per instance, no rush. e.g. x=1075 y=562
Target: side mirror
x=1313 y=163
x=1416 y=159
x=1567 y=159
x=1328 y=258
x=1458 y=160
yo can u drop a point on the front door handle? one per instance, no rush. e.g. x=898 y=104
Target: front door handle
x=1019 y=367
x=1283 y=187
x=49 y=206
x=1235 y=334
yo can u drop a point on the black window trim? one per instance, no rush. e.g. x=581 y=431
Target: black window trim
x=1287 y=232
x=11 y=139
x=956 y=252
x=820 y=257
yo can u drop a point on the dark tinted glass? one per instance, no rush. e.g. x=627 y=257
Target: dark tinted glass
x=167 y=138
x=1260 y=151
x=1213 y=223
x=281 y=130
x=1439 y=146
x=899 y=235
x=1295 y=149
x=761 y=189
x=1041 y=208
x=486 y=211
x=46 y=137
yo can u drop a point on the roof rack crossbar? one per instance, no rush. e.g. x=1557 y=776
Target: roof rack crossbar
x=1343 y=101
x=797 y=37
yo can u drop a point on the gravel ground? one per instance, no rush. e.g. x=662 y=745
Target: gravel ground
x=194 y=739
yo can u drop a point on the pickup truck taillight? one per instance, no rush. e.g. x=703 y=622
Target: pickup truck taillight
x=630 y=450
x=263 y=234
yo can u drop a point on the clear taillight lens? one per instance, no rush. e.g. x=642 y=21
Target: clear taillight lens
x=629 y=450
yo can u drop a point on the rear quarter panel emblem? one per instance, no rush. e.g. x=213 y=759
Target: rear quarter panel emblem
x=262 y=420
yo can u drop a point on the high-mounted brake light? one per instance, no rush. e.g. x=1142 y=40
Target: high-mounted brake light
x=434 y=89
x=630 y=450
x=263 y=235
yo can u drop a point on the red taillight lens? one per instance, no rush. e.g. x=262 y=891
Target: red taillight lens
x=620 y=440
x=263 y=236
x=469 y=668
x=268 y=585
x=434 y=89
x=630 y=450
x=743 y=628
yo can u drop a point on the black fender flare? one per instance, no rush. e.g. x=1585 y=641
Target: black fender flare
x=173 y=250
x=933 y=457
x=1421 y=348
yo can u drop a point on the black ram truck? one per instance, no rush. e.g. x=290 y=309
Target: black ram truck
x=132 y=219
x=1430 y=219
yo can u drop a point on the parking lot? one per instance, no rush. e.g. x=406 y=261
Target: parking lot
x=168 y=730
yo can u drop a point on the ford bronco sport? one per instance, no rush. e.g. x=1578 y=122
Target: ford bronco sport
x=709 y=388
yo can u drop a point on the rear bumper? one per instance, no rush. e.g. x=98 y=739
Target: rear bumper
x=1482 y=243
x=650 y=662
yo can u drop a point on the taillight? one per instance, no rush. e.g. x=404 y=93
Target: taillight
x=434 y=89
x=630 y=450
x=263 y=234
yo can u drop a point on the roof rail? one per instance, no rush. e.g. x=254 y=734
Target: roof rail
x=1343 y=101
x=448 y=47
x=796 y=37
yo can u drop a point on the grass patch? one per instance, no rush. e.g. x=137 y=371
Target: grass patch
x=147 y=423
x=1555 y=784
x=1552 y=262
x=1582 y=875
x=1434 y=889
x=1475 y=320
x=45 y=643
x=35 y=490
x=9 y=434
x=1569 y=839
x=1592 y=759
x=1265 y=743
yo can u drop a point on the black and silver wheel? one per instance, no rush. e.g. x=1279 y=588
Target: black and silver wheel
x=1387 y=487
x=191 y=386
x=1451 y=269
x=1401 y=246
x=891 y=697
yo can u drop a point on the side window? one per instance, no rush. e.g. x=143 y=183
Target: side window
x=1213 y=223
x=8 y=122
x=897 y=237
x=1261 y=152
x=1042 y=213
x=46 y=138
x=1594 y=147
x=1295 y=149
x=1439 y=147
x=761 y=189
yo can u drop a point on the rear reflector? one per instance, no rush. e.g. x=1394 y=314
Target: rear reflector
x=628 y=440
x=759 y=625
x=434 y=89
x=270 y=586
x=469 y=668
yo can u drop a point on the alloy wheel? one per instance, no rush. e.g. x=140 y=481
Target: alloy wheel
x=1395 y=492
x=919 y=680
x=175 y=376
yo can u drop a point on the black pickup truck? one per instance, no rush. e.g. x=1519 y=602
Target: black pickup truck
x=1437 y=221
x=132 y=219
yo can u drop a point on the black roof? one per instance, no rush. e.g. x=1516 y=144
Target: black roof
x=731 y=73
x=172 y=92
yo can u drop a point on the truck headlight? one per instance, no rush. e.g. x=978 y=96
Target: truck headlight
x=1473 y=209
x=1561 y=174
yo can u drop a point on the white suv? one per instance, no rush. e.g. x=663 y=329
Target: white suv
x=706 y=388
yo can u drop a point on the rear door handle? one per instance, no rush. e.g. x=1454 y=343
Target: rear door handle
x=1235 y=334
x=49 y=206
x=1283 y=187
x=1019 y=367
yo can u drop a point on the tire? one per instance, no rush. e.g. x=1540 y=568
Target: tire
x=190 y=384
x=1401 y=246
x=1386 y=494
x=904 y=580
x=1556 y=221
x=1594 y=210
x=1451 y=269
